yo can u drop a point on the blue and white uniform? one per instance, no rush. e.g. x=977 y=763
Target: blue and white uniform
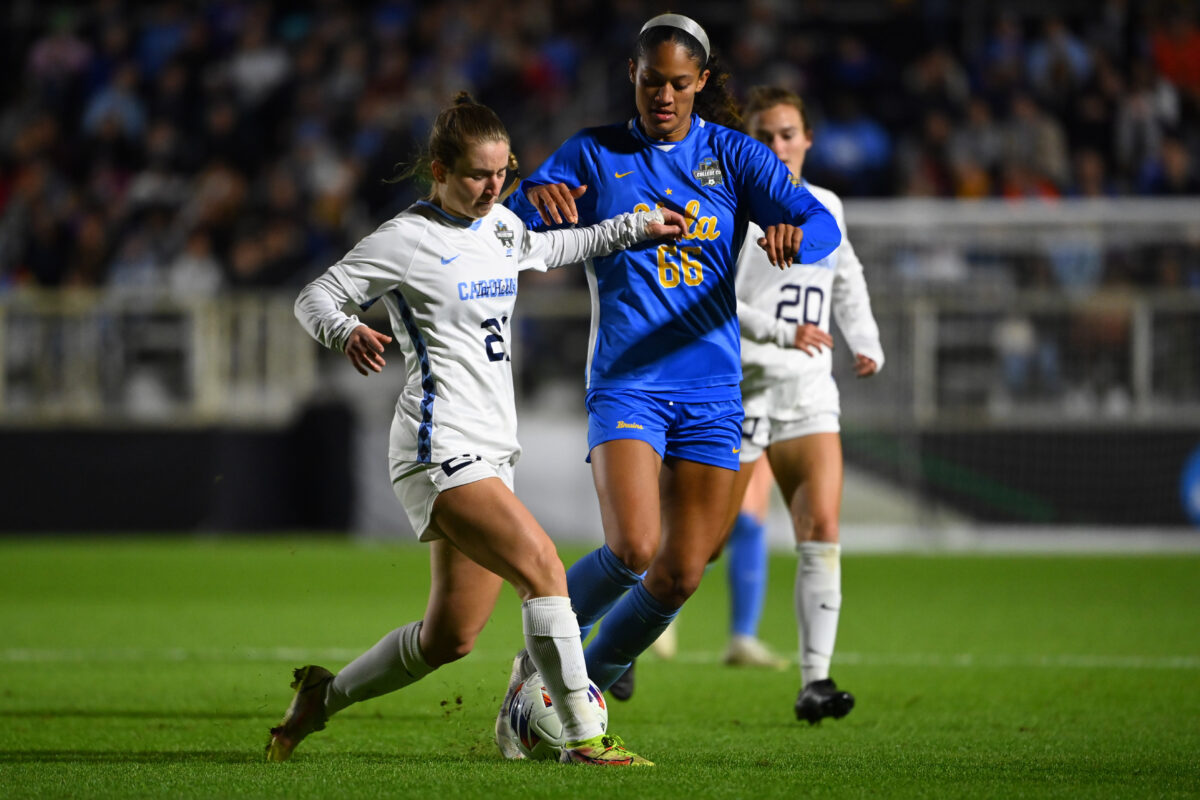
x=449 y=285
x=664 y=315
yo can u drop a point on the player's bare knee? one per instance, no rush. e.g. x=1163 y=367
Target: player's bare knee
x=636 y=553
x=674 y=586
x=448 y=647
x=823 y=529
x=541 y=573
x=803 y=526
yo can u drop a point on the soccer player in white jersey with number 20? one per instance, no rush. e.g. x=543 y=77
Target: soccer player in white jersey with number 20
x=446 y=269
x=792 y=407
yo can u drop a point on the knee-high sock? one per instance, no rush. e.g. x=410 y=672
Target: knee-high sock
x=633 y=624
x=553 y=643
x=818 y=603
x=595 y=582
x=393 y=663
x=747 y=571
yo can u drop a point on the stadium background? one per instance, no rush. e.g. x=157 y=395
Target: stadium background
x=1022 y=181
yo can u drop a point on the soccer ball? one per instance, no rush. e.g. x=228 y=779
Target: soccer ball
x=538 y=731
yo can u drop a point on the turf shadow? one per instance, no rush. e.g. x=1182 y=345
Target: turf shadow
x=138 y=757
x=108 y=713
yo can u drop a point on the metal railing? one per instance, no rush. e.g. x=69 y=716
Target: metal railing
x=992 y=314
x=129 y=358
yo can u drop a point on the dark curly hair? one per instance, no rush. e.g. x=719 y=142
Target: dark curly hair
x=714 y=102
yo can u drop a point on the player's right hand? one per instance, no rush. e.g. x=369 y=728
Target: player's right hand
x=554 y=201
x=811 y=336
x=364 y=348
x=674 y=225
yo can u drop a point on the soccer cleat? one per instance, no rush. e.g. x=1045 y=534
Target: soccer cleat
x=749 y=651
x=506 y=737
x=667 y=643
x=622 y=687
x=305 y=715
x=605 y=750
x=820 y=699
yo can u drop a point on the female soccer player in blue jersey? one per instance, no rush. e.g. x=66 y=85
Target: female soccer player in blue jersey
x=664 y=409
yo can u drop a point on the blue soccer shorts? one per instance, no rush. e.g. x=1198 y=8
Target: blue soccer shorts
x=709 y=432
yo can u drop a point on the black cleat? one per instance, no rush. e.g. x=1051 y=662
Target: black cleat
x=821 y=699
x=622 y=688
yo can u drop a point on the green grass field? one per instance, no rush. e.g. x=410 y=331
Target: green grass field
x=155 y=667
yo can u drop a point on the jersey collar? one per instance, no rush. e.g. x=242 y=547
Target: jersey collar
x=457 y=220
x=640 y=135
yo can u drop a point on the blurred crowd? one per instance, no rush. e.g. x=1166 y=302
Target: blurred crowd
x=200 y=146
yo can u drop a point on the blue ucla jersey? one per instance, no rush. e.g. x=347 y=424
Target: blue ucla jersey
x=664 y=314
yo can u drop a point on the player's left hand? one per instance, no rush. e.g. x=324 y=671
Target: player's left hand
x=674 y=225
x=781 y=243
x=864 y=367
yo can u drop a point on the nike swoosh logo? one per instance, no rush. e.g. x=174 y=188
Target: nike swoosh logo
x=451 y=258
x=623 y=174
x=828 y=608
x=737 y=449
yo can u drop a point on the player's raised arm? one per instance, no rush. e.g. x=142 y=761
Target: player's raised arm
x=547 y=249
x=776 y=199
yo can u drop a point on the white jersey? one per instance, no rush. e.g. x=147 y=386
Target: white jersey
x=778 y=380
x=449 y=286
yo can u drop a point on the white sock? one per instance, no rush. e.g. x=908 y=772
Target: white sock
x=552 y=639
x=393 y=663
x=818 y=603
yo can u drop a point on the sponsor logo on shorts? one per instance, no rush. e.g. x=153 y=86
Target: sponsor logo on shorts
x=623 y=424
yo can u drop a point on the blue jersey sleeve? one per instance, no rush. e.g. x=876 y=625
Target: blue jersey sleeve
x=570 y=164
x=767 y=189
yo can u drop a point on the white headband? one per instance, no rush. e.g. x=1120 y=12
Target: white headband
x=685 y=24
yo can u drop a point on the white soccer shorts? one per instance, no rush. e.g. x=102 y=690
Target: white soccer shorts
x=758 y=433
x=417 y=485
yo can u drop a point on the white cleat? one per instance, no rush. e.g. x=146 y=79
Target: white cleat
x=667 y=643
x=749 y=651
x=506 y=737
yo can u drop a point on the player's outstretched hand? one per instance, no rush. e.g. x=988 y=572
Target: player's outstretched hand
x=674 y=225
x=864 y=367
x=811 y=339
x=781 y=243
x=364 y=348
x=554 y=201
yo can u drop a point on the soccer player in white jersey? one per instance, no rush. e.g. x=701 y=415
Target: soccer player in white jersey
x=446 y=269
x=792 y=409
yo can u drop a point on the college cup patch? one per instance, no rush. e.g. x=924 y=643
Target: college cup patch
x=709 y=173
x=505 y=235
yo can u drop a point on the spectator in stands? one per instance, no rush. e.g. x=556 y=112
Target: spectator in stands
x=1145 y=112
x=1057 y=64
x=978 y=140
x=853 y=152
x=1034 y=143
x=1172 y=172
x=1090 y=176
x=1175 y=45
x=106 y=104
